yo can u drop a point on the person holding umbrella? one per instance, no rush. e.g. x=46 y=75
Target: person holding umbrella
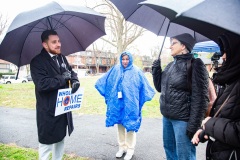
x=182 y=103
x=50 y=71
x=125 y=89
x=222 y=127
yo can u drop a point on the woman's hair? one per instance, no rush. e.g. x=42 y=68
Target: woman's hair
x=124 y=54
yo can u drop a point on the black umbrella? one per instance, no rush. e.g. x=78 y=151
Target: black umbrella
x=77 y=28
x=212 y=17
x=209 y=18
x=158 y=21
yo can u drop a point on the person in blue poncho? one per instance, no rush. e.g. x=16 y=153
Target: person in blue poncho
x=125 y=89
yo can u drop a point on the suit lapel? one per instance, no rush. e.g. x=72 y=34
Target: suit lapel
x=51 y=61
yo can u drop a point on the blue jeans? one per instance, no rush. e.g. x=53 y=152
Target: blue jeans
x=176 y=143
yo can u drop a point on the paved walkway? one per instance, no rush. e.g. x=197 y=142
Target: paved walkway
x=90 y=138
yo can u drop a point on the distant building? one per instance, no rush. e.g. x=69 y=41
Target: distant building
x=92 y=60
x=147 y=63
x=5 y=66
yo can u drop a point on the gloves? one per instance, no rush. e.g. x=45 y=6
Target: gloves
x=156 y=66
x=75 y=86
x=201 y=137
x=66 y=75
x=156 y=63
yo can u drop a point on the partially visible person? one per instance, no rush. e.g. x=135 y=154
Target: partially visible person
x=221 y=43
x=125 y=89
x=222 y=128
x=182 y=106
x=220 y=88
x=224 y=57
x=49 y=75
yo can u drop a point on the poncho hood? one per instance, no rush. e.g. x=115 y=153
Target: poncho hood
x=130 y=64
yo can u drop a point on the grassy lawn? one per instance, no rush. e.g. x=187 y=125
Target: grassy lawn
x=22 y=95
x=13 y=152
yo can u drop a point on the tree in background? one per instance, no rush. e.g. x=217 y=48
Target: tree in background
x=120 y=33
x=138 y=61
x=3 y=23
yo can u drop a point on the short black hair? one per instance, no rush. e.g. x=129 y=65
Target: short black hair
x=46 y=34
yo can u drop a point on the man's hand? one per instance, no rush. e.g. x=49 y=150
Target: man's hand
x=75 y=87
x=66 y=75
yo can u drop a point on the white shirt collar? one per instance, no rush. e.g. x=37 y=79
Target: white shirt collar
x=51 y=54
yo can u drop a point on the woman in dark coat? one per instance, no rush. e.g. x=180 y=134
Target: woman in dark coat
x=182 y=105
x=223 y=127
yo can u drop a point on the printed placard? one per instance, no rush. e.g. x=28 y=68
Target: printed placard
x=67 y=102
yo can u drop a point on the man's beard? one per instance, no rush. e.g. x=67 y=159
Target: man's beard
x=53 y=51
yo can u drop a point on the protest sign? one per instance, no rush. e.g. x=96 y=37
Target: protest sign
x=68 y=102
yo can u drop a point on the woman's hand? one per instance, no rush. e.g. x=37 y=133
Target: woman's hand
x=199 y=136
x=205 y=121
x=195 y=139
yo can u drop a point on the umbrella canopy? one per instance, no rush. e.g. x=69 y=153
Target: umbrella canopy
x=212 y=17
x=208 y=46
x=76 y=26
x=157 y=21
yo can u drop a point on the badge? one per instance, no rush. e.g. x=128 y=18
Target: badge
x=119 y=94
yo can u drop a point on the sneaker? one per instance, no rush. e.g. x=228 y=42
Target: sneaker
x=128 y=156
x=120 y=153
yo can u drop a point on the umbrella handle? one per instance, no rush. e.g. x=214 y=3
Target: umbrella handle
x=164 y=40
x=69 y=84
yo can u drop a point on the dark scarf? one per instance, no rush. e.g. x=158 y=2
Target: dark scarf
x=230 y=71
x=183 y=56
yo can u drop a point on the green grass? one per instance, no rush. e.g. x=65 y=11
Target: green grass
x=13 y=152
x=17 y=95
x=22 y=95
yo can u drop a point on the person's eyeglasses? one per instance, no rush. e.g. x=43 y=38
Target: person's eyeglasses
x=173 y=43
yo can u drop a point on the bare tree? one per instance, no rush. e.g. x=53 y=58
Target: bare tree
x=3 y=23
x=138 y=60
x=155 y=51
x=96 y=54
x=120 y=33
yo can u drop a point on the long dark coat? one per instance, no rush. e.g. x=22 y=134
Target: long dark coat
x=225 y=126
x=47 y=78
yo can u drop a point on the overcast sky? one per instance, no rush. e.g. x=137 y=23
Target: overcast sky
x=11 y=8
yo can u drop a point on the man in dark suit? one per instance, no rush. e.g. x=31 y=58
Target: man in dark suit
x=49 y=75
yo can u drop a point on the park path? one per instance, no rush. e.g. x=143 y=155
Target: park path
x=89 y=139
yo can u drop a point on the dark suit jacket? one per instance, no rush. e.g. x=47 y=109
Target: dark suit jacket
x=47 y=78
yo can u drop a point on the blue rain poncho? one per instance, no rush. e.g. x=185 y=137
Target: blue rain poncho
x=135 y=89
